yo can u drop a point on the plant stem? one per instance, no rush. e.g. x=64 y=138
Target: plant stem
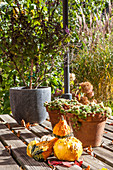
x=31 y=74
x=18 y=70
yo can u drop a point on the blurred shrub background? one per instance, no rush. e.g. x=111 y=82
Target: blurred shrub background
x=90 y=50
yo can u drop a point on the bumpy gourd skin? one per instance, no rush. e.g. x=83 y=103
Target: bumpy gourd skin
x=42 y=150
x=61 y=129
x=69 y=149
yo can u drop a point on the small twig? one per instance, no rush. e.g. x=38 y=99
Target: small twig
x=18 y=70
x=31 y=74
x=38 y=78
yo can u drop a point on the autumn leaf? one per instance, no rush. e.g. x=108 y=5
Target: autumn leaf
x=111 y=143
x=18 y=134
x=25 y=143
x=28 y=125
x=8 y=125
x=21 y=168
x=34 y=124
x=8 y=148
x=78 y=163
x=23 y=123
x=89 y=150
x=65 y=163
x=95 y=155
x=88 y=168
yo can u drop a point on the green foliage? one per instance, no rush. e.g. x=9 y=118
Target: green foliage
x=31 y=31
x=8 y=78
x=79 y=110
x=79 y=15
x=96 y=66
x=92 y=57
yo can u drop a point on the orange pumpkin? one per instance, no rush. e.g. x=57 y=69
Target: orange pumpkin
x=61 y=129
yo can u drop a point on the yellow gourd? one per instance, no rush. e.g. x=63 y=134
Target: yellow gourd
x=69 y=149
x=61 y=129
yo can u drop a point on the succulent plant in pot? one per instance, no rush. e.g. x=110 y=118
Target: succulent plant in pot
x=31 y=39
x=58 y=107
x=86 y=121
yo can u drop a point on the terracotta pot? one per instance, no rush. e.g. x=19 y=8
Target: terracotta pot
x=55 y=116
x=91 y=130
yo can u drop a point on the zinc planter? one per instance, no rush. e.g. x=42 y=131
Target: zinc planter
x=28 y=104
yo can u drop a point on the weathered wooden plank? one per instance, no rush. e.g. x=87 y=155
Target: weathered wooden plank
x=104 y=155
x=39 y=131
x=23 y=131
x=6 y=161
x=108 y=135
x=106 y=140
x=109 y=128
x=18 y=149
x=26 y=135
x=93 y=162
x=74 y=167
x=109 y=121
x=108 y=144
x=7 y=118
x=47 y=124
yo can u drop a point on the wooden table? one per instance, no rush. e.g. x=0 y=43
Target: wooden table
x=14 y=139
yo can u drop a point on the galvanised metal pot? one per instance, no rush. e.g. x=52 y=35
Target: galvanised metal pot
x=28 y=104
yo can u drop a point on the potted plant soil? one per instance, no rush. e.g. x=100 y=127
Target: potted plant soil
x=31 y=39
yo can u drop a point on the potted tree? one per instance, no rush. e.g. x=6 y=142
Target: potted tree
x=31 y=39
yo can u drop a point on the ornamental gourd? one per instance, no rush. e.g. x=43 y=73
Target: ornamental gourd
x=42 y=150
x=68 y=149
x=61 y=129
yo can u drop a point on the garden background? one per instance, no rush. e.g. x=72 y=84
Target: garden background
x=90 y=40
